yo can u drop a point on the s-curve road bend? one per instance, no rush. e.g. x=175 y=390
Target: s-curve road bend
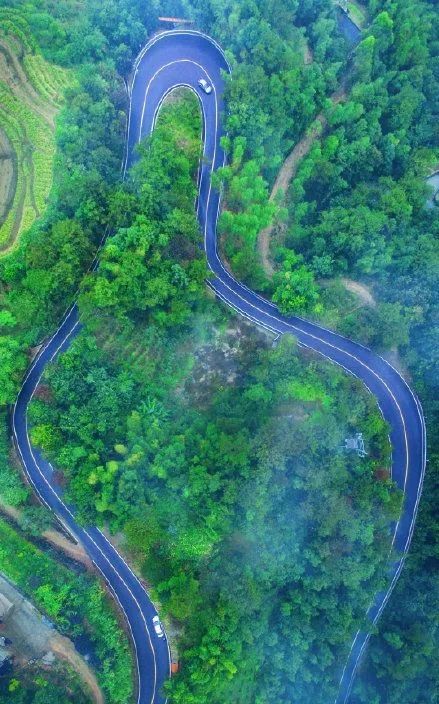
x=181 y=58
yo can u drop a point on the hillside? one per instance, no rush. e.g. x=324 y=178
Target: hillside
x=222 y=461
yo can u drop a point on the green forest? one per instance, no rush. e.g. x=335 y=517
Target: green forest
x=219 y=525
x=207 y=447
x=34 y=686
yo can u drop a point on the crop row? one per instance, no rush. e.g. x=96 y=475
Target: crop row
x=48 y=80
x=17 y=138
x=13 y=23
x=34 y=147
x=30 y=135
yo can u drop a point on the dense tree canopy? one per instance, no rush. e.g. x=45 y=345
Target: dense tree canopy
x=216 y=478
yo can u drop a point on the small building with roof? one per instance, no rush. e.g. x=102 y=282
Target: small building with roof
x=356 y=444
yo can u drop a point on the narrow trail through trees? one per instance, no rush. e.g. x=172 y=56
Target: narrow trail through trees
x=288 y=171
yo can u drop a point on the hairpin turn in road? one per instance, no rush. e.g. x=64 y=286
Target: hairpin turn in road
x=169 y=60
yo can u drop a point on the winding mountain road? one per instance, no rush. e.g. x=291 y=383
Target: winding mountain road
x=169 y=60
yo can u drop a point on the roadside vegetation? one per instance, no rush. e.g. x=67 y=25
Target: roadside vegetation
x=77 y=604
x=34 y=685
x=357 y=12
x=38 y=280
x=358 y=193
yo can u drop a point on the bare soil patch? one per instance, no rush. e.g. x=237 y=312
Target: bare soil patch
x=65 y=650
x=360 y=290
x=71 y=549
x=218 y=363
x=308 y=56
x=8 y=176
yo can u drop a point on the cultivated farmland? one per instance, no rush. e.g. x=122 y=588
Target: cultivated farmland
x=31 y=94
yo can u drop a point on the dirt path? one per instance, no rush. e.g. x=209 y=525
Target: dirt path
x=54 y=537
x=361 y=290
x=283 y=180
x=308 y=56
x=8 y=176
x=65 y=650
x=289 y=169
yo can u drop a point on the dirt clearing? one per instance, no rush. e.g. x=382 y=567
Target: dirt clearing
x=8 y=176
x=360 y=290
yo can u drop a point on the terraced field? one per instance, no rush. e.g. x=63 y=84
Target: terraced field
x=31 y=93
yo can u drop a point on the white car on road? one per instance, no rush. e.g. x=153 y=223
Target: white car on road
x=204 y=85
x=158 y=627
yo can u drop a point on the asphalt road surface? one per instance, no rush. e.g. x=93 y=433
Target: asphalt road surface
x=169 y=60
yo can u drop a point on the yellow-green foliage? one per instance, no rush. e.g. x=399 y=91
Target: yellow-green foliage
x=12 y=23
x=48 y=80
x=27 y=112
